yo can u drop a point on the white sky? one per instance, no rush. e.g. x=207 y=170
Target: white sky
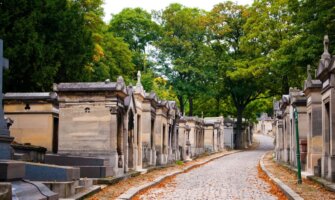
x=115 y=6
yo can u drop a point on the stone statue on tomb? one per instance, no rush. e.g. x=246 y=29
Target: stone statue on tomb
x=139 y=78
x=326 y=54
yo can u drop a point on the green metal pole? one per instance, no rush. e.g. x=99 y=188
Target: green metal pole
x=297 y=143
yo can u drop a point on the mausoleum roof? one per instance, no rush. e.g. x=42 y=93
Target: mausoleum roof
x=31 y=96
x=90 y=86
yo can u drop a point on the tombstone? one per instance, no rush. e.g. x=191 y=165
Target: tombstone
x=326 y=75
x=35 y=117
x=93 y=122
x=312 y=90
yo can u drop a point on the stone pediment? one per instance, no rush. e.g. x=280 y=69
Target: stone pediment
x=228 y=122
x=129 y=101
x=139 y=90
x=152 y=97
x=311 y=84
x=209 y=124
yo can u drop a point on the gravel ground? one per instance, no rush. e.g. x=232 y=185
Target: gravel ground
x=113 y=191
x=231 y=177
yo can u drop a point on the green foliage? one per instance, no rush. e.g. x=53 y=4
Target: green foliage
x=45 y=41
x=182 y=49
x=137 y=29
x=228 y=61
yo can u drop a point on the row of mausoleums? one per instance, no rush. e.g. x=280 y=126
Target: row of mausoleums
x=108 y=128
x=316 y=121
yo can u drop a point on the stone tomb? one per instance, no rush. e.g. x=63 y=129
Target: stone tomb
x=312 y=90
x=264 y=125
x=173 y=118
x=298 y=100
x=326 y=74
x=196 y=135
x=95 y=121
x=184 y=144
x=278 y=131
x=287 y=128
x=149 y=106
x=216 y=140
x=35 y=118
x=228 y=129
x=133 y=135
x=209 y=136
x=161 y=133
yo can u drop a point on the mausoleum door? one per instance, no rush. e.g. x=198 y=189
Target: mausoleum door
x=119 y=139
x=130 y=139
x=55 y=135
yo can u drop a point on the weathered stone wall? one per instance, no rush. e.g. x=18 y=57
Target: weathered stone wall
x=34 y=126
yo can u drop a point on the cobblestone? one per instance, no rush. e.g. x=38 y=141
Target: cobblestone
x=230 y=177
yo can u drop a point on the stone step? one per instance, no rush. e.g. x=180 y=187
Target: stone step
x=85 y=193
x=86 y=182
x=79 y=189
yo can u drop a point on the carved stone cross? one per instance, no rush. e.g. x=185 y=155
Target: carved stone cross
x=4 y=64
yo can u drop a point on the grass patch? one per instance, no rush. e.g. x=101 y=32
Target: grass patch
x=179 y=162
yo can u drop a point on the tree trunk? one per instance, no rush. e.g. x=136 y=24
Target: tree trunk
x=190 y=101
x=218 y=106
x=181 y=103
x=239 y=136
x=285 y=85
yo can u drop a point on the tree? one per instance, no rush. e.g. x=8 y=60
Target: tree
x=45 y=41
x=242 y=74
x=137 y=28
x=116 y=61
x=181 y=49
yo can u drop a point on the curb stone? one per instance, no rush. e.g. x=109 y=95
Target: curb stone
x=290 y=194
x=135 y=190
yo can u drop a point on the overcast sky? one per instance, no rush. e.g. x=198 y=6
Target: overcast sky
x=115 y=6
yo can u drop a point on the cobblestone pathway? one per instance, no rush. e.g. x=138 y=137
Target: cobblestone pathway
x=230 y=177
